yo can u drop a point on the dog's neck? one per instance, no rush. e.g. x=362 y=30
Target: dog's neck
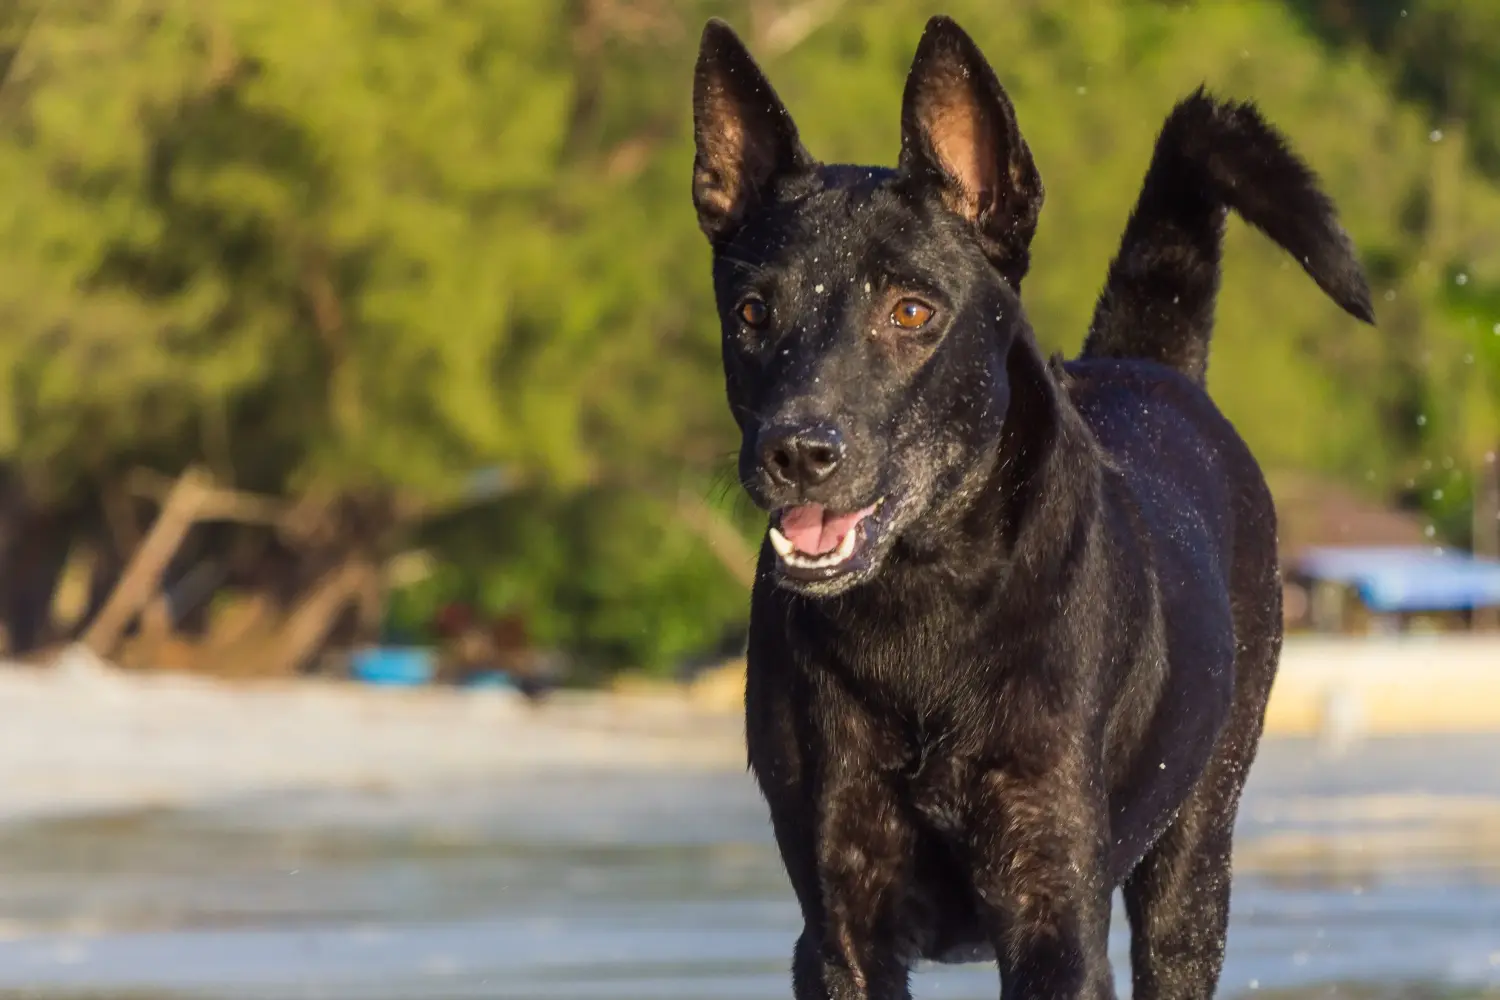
x=1017 y=516
x=1045 y=487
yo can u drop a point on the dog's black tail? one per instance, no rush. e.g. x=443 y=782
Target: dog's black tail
x=1211 y=156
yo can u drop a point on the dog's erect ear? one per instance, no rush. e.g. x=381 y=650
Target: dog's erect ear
x=959 y=132
x=746 y=140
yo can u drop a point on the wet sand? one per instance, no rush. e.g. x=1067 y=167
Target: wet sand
x=1375 y=870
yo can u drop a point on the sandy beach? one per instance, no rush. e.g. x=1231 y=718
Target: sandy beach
x=83 y=736
x=171 y=836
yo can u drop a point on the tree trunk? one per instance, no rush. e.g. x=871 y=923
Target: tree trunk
x=1487 y=528
x=142 y=577
x=311 y=621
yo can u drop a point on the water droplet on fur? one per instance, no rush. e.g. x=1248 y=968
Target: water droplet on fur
x=818 y=289
x=867 y=288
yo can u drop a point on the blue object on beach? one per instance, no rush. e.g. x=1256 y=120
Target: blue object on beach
x=404 y=666
x=490 y=679
x=1408 y=579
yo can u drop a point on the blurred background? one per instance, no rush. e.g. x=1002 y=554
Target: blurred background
x=373 y=572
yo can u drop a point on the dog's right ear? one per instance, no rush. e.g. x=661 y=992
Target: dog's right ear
x=746 y=140
x=959 y=134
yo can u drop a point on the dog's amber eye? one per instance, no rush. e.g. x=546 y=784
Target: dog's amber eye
x=911 y=314
x=754 y=314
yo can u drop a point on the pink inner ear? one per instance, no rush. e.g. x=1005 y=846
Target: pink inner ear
x=738 y=159
x=724 y=151
x=964 y=144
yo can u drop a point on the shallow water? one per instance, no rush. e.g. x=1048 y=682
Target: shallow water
x=1373 y=874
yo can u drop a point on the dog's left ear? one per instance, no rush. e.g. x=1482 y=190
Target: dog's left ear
x=959 y=133
x=746 y=140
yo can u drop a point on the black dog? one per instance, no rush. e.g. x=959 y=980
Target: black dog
x=1015 y=622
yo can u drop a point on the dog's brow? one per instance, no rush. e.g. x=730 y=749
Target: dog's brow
x=749 y=267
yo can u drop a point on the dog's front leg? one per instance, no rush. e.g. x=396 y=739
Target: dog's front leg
x=850 y=948
x=1039 y=851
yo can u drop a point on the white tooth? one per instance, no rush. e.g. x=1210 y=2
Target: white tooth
x=803 y=560
x=782 y=544
x=846 y=547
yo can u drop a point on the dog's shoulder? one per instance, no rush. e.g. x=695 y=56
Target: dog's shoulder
x=1123 y=400
x=1163 y=432
x=1114 y=380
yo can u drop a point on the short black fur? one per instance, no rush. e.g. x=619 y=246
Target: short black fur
x=1158 y=302
x=1016 y=620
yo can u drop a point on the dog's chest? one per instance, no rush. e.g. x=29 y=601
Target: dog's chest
x=937 y=783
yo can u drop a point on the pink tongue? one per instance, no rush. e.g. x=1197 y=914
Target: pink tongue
x=813 y=530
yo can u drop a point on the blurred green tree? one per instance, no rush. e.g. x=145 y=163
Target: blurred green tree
x=375 y=245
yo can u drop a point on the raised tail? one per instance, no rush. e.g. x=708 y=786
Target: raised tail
x=1158 y=303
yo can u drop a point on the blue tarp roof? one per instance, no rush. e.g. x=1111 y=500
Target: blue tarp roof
x=1408 y=579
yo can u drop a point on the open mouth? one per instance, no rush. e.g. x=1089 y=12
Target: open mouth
x=814 y=543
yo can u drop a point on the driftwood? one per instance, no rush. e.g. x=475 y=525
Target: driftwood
x=269 y=635
x=142 y=577
x=328 y=590
x=309 y=624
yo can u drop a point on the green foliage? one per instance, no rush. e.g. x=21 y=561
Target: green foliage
x=613 y=575
x=385 y=242
x=1440 y=53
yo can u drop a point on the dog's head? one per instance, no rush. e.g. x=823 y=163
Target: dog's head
x=867 y=313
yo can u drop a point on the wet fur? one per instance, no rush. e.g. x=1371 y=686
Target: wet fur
x=1047 y=680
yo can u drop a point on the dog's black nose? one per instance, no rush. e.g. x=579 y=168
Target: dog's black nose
x=801 y=456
